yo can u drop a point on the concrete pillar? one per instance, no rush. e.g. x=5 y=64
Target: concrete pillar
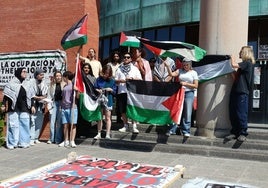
x=223 y=30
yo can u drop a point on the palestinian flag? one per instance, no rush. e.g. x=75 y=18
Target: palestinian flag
x=88 y=98
x=76 y=35
x=174 y=49
x=130 y=41
x=155 y=102
x=213 y=66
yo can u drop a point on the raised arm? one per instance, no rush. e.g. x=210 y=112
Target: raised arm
x=170 y=73
x=234 y=64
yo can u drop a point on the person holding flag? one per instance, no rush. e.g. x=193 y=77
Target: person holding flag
x=69 y=111
x=238 y=107
x=91 y=59
x=189 y=79
x=75 y=36
x=126 y=71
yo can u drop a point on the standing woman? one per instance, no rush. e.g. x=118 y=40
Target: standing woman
x=105 y=85
x=238 y=107
x=68 y=111
x=17 y=102
x=189 y=80
x=54 y=108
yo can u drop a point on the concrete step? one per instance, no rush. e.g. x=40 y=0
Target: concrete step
x=203 y=150
x=153 y=138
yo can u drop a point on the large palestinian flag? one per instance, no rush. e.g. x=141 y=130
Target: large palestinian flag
x=213 y=66
x=155 y=102
x=88 y=98
x=76 y=35
x=174 y=49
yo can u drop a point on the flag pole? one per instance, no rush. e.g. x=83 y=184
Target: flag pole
x=74 y=93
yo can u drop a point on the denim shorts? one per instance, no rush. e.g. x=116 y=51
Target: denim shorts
x=66 y=116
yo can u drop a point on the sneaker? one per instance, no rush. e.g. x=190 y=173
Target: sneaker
x=37 y=142
x=97 y=137
x=135 y=130
x=123 y=130
x=231 y=136
x=61 y=144
x=64 y=144
x=32 y=143
x=10 y=147
x=242 y=138
x=187 y=135
x=49 y=142
x=73 y=145
x=107 y=137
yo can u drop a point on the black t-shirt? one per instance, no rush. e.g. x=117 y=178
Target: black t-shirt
x=243 y=80
x=58 y=92
x=21 y=104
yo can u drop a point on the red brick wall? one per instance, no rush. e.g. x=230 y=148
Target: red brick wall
x=39 y=25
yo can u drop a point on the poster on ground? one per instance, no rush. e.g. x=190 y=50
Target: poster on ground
x=87 y=171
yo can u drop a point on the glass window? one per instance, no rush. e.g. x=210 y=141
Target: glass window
x=115 y=42
x=150 y=34
x=163 y=34
x=255 y=48
x=178 y=33
x=106 y=48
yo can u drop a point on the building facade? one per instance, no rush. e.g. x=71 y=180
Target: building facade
x=178 y=20
x=40 y=25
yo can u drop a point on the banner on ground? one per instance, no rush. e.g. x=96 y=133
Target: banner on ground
x=47 y=60
x=158 y=103
x=86 y=171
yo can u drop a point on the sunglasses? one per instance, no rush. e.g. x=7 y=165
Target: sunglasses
x=126 y=57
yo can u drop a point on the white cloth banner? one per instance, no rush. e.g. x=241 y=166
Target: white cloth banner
x=47 y=60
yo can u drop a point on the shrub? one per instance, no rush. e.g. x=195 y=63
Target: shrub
x=2 y=124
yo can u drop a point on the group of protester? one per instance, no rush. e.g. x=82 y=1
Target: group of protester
x=25 y=100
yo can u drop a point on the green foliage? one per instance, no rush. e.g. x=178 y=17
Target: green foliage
x=2 y=124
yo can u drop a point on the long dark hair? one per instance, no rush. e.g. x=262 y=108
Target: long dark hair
x=89 y=66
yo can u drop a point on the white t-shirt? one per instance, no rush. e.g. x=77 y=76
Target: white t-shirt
x=188 y=77
x=114 y=67
x=133 y=73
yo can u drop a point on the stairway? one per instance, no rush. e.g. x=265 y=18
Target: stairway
x=153 y=139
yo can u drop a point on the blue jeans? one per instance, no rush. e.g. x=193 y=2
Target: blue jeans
x=172 y=129
x=187 y=112
x=36 y=124
x=18 y=129
x=56 y=129
x=238 y=111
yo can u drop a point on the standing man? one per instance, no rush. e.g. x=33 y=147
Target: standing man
x=95 y=64
x=126 y=71
x=161 y=75
x=40 y=90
